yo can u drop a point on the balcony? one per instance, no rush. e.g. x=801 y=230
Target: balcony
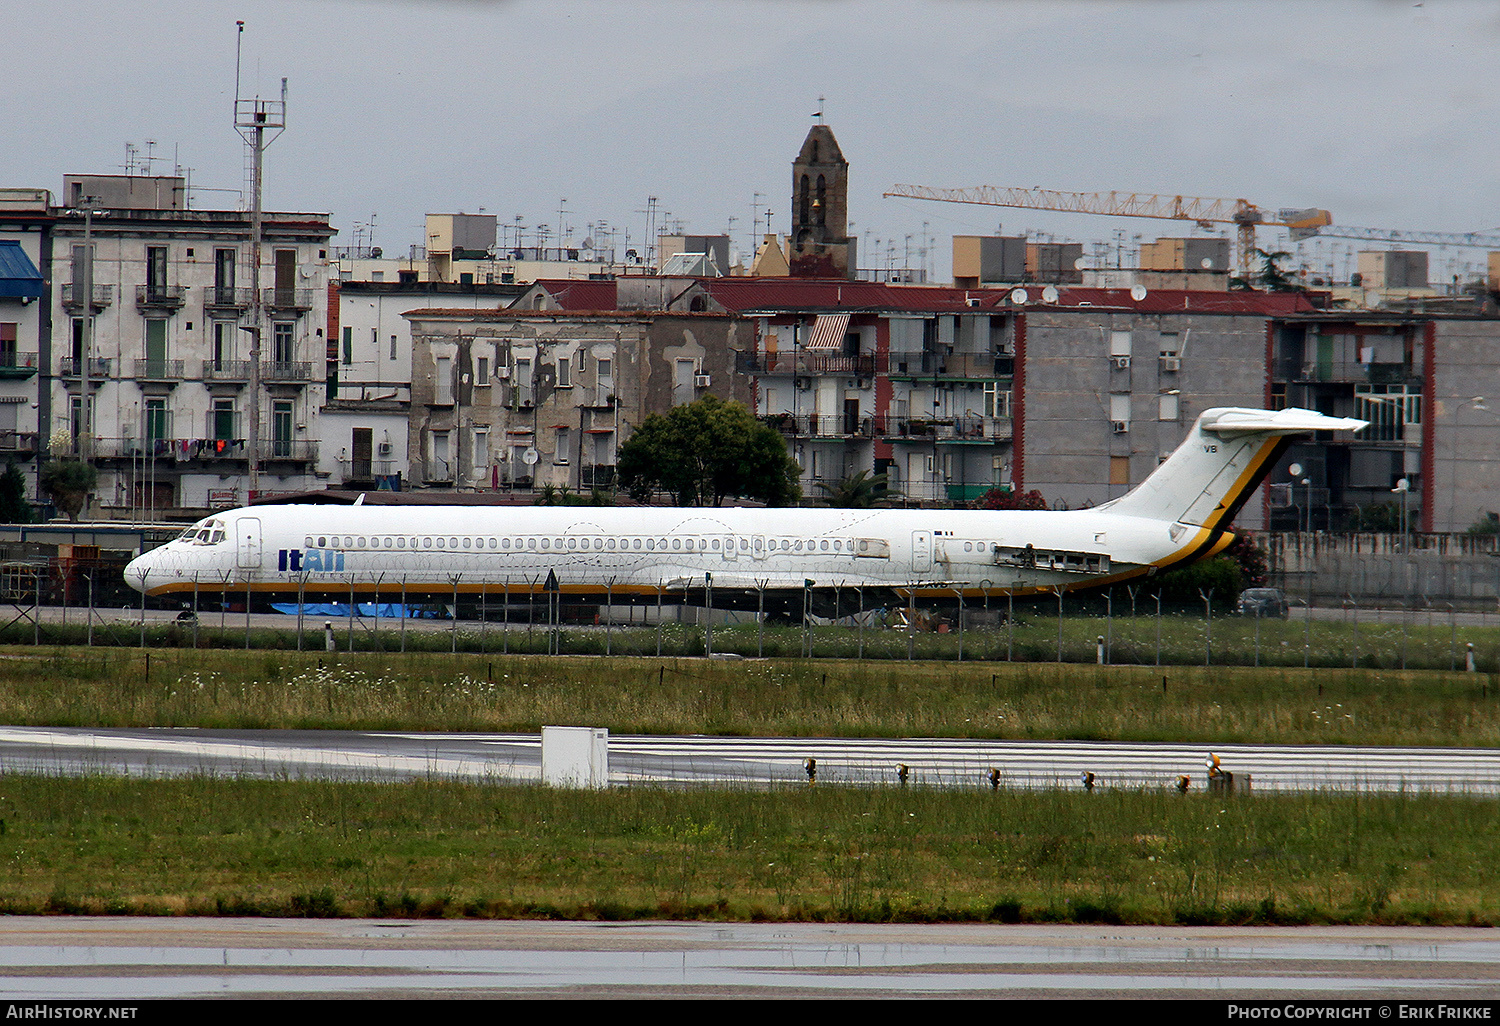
x=968 y=428
x=366 y=470
x=160 y=297
x=983 y=366
x=15 y=366
x=158 y=370
x=71 y=368
x=279 y=300
x=232 y=371
x=861 y=365
x=226 y=299
x=18 y=442
x=292 y=450
x=807 y=425
x=200 y=450
x=103 y=296
x=598 y=475
x=283 y=372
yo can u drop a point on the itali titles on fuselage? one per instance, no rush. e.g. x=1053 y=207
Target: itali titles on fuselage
x=1180 y=513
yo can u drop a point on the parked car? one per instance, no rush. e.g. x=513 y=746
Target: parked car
x=1263 y=602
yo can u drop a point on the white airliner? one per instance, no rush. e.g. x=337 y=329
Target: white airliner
x=1180 y=513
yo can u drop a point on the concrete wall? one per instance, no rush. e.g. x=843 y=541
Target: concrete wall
x=1464 y=418
x=1074 y=386
x=1386 y=570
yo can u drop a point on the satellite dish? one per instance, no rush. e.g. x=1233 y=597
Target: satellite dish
x=1019 y=297
x=1372 y=299
x=530 y=457
x=1137 y=292
x=1049 y=294
x=1206 y=263
x=588 y=243
x=1078 y=264
x=1295 y=470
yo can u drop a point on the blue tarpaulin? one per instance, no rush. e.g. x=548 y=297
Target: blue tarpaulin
x=19 y=278
x=392 y=609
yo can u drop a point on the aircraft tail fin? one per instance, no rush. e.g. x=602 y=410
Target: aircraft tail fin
x=1226 y=454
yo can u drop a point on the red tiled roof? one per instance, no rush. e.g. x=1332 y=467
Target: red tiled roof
x=748 y=294
x=580 y=294
x=745 y=294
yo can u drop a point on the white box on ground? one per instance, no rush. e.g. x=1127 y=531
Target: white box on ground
x=575 y=756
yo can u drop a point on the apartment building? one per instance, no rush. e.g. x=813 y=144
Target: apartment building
x=531 y=398
x=152 y=315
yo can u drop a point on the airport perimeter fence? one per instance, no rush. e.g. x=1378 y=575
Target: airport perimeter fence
x=1114 y=630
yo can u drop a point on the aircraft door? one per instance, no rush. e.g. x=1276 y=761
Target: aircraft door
x=247 y=542
x=921 y=552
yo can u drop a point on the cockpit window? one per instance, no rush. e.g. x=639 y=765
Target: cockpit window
x=205 y=532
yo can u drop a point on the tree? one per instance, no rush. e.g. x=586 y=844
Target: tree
x=1008 y=498
x=857 y=491
x=706 y=451
x=1272 y=277
x=69 y=483
x=14 y=509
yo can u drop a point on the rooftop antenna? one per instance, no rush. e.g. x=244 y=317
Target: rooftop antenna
x=819 y=112
x=252 y=120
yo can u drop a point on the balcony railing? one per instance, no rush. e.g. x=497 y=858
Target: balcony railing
x=200 y=450
x=599 y=475
x=158 y=370
x=103 y=296
x=297 y=300
x=226 y=370
x=160 y=297
x=859 y=365
x=227 y=298
x=286 y=371
x=71 y=368
x=968 y=428
x=18 y=441
x=864 y=365
x=944 y=429
x=365 y=470
x=294 y=449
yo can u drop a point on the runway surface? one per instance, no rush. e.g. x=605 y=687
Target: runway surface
x=122 y=959
x=354 y=755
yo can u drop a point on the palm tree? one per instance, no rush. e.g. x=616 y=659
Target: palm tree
x=856 y=491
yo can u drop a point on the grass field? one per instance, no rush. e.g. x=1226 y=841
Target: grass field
x=430 y=848
x=1425 y=639
x=438 y=691
x=223 y=847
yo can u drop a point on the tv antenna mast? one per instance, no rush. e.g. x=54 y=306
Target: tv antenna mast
x=252 y=120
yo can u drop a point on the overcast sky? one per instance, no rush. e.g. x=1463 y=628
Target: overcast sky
x=1384 y=113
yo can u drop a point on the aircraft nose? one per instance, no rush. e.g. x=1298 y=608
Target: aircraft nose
x=138 y=572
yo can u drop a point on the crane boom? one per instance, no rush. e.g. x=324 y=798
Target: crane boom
x=1476 y=240
x=1204 y=211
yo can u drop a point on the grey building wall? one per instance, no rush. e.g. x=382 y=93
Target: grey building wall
x=1075 y=383
x=1464 y=418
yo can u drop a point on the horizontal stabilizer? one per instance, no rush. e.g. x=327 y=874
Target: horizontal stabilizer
x=1276 y=422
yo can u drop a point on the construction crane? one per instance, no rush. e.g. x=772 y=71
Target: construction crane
x=1205 y=212
x=1475 y=240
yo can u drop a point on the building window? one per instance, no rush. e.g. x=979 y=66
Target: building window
x=1167 y=407
x=565 y=371
x=562 y=450
x=1119 y=470
x=348 y=345
x=283 y=342
x=8 y=330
